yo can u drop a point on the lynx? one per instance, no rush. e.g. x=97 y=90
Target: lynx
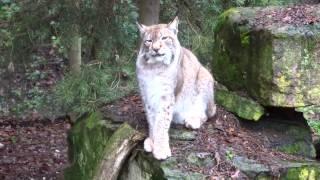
x=174 y=86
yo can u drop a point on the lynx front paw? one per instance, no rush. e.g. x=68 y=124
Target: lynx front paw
x=194 y=122
x=147 y=145
x=161 y=153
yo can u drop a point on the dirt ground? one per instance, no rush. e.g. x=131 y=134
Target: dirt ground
x=33 y=148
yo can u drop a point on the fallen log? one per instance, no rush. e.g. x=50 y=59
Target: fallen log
x=117 y=150
x=97 y=150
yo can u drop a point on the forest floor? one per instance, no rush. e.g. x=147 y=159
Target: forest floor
x=33 y=148
x=37 y=148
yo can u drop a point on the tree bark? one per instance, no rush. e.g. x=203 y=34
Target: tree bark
x=74 y=45
x=149 y=11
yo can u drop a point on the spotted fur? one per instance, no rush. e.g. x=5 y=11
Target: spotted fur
x=173 y=84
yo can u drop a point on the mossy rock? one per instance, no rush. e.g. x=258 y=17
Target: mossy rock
x=276 y=64
x=302 y=170
x=279 y=2
x=244 y=107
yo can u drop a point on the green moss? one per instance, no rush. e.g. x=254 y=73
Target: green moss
x=303 y=173
x=299 y=148
x=224 y=17
x=259 y=68
x=311 y=113
x=245 y=39
x=228 y=65
x=244 y=107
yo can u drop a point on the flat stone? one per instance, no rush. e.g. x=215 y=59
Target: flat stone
x=244 y=107
x=144 y=167
x=182 y=134
x=289 y=170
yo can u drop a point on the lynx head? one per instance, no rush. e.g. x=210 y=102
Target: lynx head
x=159 y=42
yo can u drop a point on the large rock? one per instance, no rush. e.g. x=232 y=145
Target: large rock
x=275 y=62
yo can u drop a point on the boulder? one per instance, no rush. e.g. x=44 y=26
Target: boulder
x=270 y=54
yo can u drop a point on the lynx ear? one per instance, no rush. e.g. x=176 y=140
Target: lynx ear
x=142 y=28
x=173 y=26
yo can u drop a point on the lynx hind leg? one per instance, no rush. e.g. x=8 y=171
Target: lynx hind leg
x=204 y=106
x=211 y=106
x=196 y=115
x=211 y=109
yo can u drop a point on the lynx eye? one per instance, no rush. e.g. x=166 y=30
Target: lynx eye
x=164 y=37
x=148 y=41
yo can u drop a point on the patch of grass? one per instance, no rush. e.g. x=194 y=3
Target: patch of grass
x=229 y=154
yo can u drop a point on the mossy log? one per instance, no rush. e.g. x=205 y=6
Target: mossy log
x=120 y=145
x=96 y=150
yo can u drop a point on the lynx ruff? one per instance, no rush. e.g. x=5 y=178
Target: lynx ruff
x=173 y=84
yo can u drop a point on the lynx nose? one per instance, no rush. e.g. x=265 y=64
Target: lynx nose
x=156 y=47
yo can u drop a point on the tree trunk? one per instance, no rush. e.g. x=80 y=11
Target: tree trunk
x=74 y=51
x=74 y=45
x=149 y=11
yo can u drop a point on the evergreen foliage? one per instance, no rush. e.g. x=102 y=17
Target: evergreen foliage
x=94 y=86
x=197 y=21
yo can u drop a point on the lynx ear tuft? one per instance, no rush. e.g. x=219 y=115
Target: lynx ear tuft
x=173 y=26
x=142 y=28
